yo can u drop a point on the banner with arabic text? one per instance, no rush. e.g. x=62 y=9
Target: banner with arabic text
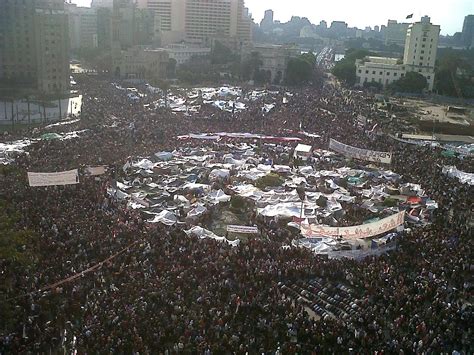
x=359 y=153
x=242 y=229
x=70 y=177
x=355 y=232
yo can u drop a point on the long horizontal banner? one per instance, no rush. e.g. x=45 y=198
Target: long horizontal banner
x=242 y=229
x=70 y=177
x=359 y=153
x=453 y=172
x=355 y=232
x=218 y=136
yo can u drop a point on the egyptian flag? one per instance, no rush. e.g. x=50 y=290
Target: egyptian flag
x=410 y=16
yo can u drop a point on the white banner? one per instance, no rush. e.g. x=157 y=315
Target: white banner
x=70 y=177
x=242 y=229
x=359 y=153
x=453 y=172
x=355 y=232
x=95 y=170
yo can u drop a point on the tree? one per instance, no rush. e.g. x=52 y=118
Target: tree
x=221 y=54
x=171 y=68
x=412 y=82
x=345 y=70
x=251 y=66
x=300 y=70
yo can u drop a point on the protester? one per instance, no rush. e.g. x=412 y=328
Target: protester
x=161 y=291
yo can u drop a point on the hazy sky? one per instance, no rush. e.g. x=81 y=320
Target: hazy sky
x=447 y=13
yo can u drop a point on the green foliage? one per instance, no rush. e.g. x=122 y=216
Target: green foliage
x=454 y=73
x=269 y=180
x=345 y=70
x=221 y=54
x=251 y=66
x=390 y=202
x=412 y=82
x=300 y=69
x=238 y=203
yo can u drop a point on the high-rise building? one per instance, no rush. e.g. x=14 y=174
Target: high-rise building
x=201 y=21
x=421 y=46
x=82 y=26
x=467 y=36
x=395 y=33
x=267 y=21
x=34 y=45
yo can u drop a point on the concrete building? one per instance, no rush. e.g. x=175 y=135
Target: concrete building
x=199 y=21
x=274 y=58
x=183 y=53
x=131 y=26
x=267 y=21
x=138 y=62
x=82 y=26
x=104 y=28
x=96 y=4
x=395 y=33
x=467 y=36
x=338 y=29
x=421 y=46
x=34 y=45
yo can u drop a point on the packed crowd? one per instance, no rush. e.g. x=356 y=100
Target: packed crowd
x=161 y=291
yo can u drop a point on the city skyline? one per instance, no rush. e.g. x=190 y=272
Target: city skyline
x=354 y=13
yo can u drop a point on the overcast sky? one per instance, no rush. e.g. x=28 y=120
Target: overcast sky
x=449 y=14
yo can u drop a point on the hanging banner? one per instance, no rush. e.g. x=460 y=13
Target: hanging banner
x=70 y=177
x=359 y=153
x=95 y=170
x=355 y=232
x=242 y=229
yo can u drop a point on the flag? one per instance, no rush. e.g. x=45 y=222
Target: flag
x=410 y=16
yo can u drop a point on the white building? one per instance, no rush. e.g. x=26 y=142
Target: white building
x=421 y=46
x=183 y=53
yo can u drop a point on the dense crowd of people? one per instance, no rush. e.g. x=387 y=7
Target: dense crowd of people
x=153 y=289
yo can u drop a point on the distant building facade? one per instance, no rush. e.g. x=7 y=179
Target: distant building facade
x=138 y=62
x=467 y=36
x=395 y=33
x=274 y=58
x=183 y=53
x=82 y=26
x=421 y=45
x=199 y=21
x=267 y=22
x=34 y=45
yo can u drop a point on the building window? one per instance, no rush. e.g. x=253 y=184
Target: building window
x=402 y=75
x=373 y=72
x=422 y=52
x=429 y=77
x=395 y=74
x=419 y=70
x=360 y=71
x=421 y=64
x=421 y=58
x=388 y=73
x=366 y=72
x=381 y=73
